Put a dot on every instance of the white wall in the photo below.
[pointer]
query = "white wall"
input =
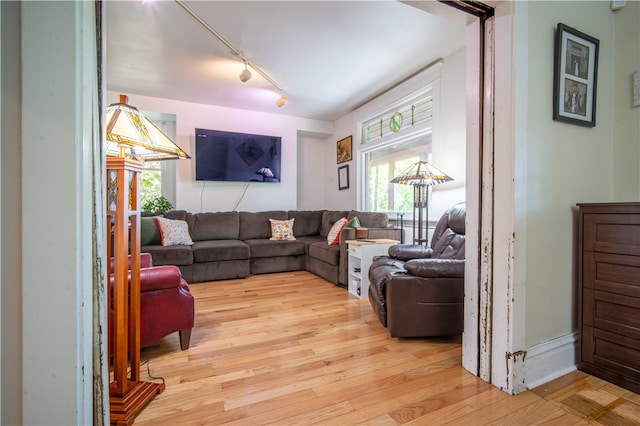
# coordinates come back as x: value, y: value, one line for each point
x: 626, y: 128
x: 558, y: 165
x: 200, y: 196
x: 311, y: 174
x: 565, y: 164
x: 449, y: 145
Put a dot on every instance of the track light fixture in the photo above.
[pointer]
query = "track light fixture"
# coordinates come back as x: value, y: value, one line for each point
x: 281, y: 101
x: 245, y: 75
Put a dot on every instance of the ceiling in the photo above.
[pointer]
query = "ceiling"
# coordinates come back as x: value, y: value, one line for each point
x: 330, y: 57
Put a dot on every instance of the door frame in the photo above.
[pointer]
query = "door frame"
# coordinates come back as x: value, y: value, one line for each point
x: 493, y: 338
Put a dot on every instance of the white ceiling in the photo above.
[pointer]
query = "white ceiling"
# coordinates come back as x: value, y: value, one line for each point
x: 329, y: 56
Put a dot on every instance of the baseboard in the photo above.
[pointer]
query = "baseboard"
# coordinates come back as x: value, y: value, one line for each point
x: 550, y: 360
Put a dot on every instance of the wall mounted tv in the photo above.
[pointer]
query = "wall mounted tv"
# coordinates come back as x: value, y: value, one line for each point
x: 237, y: 157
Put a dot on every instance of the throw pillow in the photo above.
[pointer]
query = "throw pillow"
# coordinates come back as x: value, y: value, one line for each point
x: 174, y: 232
x: 282, y: 229
x: 149, y: 232
x: 354, y: 222
x: 334, y: 234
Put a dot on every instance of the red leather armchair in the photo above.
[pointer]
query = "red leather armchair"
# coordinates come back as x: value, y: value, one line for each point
x: 166, y: 304
x: 418, y: 291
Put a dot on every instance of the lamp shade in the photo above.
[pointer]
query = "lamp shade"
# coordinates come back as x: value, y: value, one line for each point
x: 421, y: 174
x: 266, y: 172
x: 131, y: 134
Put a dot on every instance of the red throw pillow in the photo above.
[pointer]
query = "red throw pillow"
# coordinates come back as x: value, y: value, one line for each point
x: 333, y: 237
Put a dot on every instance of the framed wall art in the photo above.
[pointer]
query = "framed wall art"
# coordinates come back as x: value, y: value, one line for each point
x: 575, y: 77
x: 343, y: 177
x: 344, y: 150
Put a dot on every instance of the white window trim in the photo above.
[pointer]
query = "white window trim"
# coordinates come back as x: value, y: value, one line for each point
x: 168, y: 168
x: 432, y: 84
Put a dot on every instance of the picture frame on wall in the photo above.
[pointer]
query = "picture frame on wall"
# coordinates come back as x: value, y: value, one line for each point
x: 575, y: 76
x: 343, y: 177
x: 344, y: 150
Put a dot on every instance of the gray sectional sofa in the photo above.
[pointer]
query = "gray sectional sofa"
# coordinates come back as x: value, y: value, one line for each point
x: 235, y: 244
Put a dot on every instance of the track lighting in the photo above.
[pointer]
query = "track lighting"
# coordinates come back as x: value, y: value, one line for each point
x: 245, y: 75
x: 282, y: 100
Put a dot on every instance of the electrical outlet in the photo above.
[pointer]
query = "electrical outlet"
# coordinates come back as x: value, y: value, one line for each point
x: 636, y: 88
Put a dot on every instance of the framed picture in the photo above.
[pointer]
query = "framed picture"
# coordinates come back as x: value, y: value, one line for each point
x: 343, y: 177
x: 344, y: 150
x: 575, y: 77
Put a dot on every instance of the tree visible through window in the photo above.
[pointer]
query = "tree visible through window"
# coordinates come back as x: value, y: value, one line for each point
x: 158, y: 177
x: 383, y: 163
x: 151, y: 181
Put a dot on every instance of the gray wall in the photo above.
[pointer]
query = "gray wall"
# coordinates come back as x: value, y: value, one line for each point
x: 558, y: 165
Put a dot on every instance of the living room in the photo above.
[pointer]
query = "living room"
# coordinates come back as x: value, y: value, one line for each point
x: 544, y: 169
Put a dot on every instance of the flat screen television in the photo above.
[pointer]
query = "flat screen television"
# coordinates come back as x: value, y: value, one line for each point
x: 237, y: 157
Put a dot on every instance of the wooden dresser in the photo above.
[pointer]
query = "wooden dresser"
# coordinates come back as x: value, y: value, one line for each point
x: 609, y: 292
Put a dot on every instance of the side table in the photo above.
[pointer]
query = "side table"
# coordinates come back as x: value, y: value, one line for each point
x: 361, y: 254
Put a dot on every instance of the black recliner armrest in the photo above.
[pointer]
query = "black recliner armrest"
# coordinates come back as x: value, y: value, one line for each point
x: 435, y: 268
x: 409, y: 251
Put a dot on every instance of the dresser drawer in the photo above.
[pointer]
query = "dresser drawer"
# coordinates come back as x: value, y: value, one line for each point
x: 612, y: 233
x: 612, y: 312
x: 612, y: 352
x: 614, y: 273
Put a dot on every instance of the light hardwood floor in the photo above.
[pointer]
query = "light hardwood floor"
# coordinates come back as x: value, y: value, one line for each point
x: 292, y: 348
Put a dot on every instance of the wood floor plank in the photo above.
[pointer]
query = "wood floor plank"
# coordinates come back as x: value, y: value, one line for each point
x: 460, y: 408
x: 292, y: 348
x: 497, y: 410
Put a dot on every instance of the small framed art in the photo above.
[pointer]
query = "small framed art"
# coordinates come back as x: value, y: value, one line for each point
x: 344, y: 150
x: 575, y: 77
x: 343, y: 177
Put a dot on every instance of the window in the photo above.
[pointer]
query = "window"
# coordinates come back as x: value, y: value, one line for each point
x: 385, y: 162
x: 151, y: 181
x: 159, y: 177
x: 398, y: 120
x: 393, y: 141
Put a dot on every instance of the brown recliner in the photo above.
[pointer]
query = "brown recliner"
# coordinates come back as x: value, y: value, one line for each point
x: 418, y: 291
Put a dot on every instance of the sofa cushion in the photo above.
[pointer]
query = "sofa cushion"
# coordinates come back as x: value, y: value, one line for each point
x: 214, y: 226
x: 326, y: 253
x: 149, y: 232
x: 370, y: 219
x: 255, y: 225
x: 455, y: 249
x: 174, y: 232
x: 310, y: 239
x: 450, y: 245
x: 328, y: 219
x: 218, y: 250
x: 170, y: 255
x: 307, y: 222
x: 282, y: 229
x: 273, y: 248
x: 176, y: 214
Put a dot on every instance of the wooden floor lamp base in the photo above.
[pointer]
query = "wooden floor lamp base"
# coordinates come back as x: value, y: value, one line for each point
x: 125, y: 408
